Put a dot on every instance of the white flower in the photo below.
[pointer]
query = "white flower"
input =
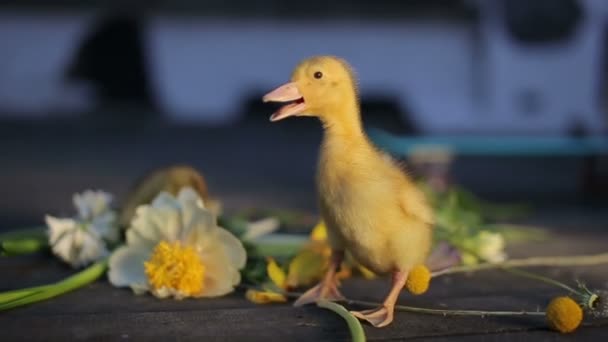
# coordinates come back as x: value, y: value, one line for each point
x: 90, y: 204
x: 485, y: 246
x: 82, y: 240
x: 175, y: 248
x: 491, y: 247
x: 94, y: 207
x: 74, y: 241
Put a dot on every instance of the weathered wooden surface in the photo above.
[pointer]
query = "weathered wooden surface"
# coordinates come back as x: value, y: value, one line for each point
x: 100, y: 312
x: 273, y: 167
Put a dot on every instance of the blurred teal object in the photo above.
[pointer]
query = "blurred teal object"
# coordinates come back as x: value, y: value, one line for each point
x: 492, y: 146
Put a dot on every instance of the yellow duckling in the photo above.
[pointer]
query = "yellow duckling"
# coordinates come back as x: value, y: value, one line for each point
x: 371, y: 208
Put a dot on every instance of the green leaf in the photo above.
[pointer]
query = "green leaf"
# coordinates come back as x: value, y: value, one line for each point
x: 491, y: 211
x: 16, y: 298
x: 279, y: 245
x: 254, y: 271
x: 235, y: 225
x: 356, y: 330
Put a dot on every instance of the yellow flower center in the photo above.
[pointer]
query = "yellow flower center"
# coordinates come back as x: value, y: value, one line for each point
x: 564, y: 314
x: 174, y: 269
x: 418, y: 280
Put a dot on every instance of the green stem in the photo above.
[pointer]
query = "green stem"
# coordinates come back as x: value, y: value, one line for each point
x: 16, y: 298
x: 16, y: 294
x: 555, y: 261
x: 540, y: 278
x: 356, y: 330
x: 23, y: 241
x: 21, y: 246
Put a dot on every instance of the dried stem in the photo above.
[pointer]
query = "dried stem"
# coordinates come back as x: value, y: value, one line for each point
x: 441, y: 312
x: 540, y: 278
x: 579, y: 260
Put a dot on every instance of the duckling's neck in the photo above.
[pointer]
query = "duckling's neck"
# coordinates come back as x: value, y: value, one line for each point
x: 343, y: 122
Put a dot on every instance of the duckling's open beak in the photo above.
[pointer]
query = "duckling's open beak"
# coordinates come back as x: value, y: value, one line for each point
x: 286, y: 93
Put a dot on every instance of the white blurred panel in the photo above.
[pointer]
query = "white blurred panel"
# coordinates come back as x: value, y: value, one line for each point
x: 35, y: 50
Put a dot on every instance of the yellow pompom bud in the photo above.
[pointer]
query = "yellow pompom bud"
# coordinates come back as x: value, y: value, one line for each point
x: 418, y: 280
x: 564, y: 314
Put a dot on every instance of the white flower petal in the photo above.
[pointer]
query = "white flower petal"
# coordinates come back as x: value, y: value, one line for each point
x: 64, y: 247
x: 58, y: 227
x: 169, y: 224
x: 165, y: 200
x: 187, y: 196
x: 105, y: 226
x: 261, y: 227
x: 92, y: 248
x: 198, y: 224
x: 151, y: 225
x: 220, y: 277
x: 233, y: 248
x: 126, y: 267
x: 92, y: 203
x: 134, y: 238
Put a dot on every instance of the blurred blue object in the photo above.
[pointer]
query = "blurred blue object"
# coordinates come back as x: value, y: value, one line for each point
x: 492, y: 145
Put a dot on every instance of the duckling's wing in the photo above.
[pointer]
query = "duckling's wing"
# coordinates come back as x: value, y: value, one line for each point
x: 414, y: 203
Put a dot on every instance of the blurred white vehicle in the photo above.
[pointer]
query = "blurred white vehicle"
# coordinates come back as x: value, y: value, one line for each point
x: 447, y: 75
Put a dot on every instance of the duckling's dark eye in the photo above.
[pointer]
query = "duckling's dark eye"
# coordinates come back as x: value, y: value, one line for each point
x: 318, y: 75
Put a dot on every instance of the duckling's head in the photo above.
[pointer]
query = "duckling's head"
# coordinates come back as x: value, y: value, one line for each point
x: 321, y: 86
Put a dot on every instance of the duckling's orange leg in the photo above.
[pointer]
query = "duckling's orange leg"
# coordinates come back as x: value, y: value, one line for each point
x: 327, y: 289
x: 383, y: 315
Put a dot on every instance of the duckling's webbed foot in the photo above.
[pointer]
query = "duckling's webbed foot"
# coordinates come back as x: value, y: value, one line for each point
x: 383, y: 315
x: 327, y: 289
x: 379, y: 317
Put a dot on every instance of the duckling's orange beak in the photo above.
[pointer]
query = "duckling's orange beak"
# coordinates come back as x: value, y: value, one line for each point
x: 286, y: 93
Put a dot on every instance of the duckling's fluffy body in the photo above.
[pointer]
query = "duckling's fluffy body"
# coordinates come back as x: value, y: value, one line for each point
x: 370, y: 207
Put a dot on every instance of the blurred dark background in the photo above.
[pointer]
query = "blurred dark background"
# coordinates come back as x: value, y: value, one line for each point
x: 93, y: 94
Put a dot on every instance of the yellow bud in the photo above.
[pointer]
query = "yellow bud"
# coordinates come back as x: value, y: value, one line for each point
x: 418, y: 280
x: 564, y: 314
